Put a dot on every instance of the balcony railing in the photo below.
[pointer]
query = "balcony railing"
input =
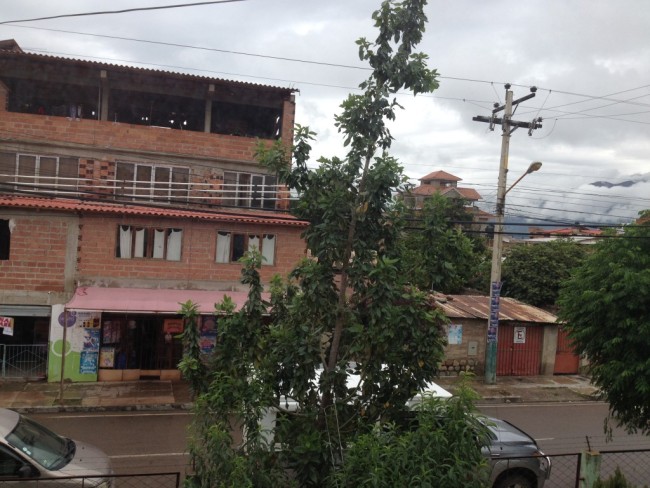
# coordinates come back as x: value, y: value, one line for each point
x: 269, y: 197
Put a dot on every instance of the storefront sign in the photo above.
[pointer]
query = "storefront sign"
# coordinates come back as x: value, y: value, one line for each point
x: 173, y: 326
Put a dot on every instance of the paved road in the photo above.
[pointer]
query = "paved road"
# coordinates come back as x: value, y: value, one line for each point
x: 136, y: 442
x: 145, y: 442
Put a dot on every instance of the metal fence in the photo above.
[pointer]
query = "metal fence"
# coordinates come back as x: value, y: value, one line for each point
x: 150, y: 480
x: 23, y: 360
x: 633, y: 464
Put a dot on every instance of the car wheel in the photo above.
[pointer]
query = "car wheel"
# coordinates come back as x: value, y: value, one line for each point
x: 514, y: 480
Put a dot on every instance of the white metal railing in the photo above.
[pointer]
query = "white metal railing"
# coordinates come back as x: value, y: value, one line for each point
x: 155, y: 191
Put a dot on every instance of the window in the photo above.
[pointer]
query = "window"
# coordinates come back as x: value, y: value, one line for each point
x: 249, y: 190
x: 150, y: 243
x: 152, y: 182
x: 232, y: 246
x: 5, y: 239
x: 43, y: 174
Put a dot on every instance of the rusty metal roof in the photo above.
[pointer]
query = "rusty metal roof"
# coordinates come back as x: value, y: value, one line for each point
x: 80, y: 206
x: 478, y: 307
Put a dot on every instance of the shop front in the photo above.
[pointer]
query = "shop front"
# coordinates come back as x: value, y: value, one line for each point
x: 23, y: 340
x: 125, y: 334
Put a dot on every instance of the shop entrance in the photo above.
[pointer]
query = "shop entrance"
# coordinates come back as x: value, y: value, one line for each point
x: 139, y: 347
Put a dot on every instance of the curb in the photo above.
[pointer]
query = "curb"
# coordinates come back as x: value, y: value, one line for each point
x: 108, y: 408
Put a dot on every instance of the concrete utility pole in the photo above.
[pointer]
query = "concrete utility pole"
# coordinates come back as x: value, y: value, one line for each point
x: 508, y: 126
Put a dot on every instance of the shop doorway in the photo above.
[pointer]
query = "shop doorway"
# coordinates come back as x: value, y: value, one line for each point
x: 138, y: 347
x: 23, y: 351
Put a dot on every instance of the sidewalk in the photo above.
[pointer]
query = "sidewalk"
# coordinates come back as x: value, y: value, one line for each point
x: 41, y: 396
x: 525, y: 389
x: 166, y: 395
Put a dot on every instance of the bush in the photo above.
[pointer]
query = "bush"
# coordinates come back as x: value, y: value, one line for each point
x: 617, y: 480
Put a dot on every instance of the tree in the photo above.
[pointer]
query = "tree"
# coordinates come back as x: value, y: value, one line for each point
x: 534, y: 274
x: 440, y: 256
x: 606, y: 307
x: 346, y: 310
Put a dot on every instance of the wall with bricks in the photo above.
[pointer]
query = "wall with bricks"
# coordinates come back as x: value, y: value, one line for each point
x: 99, y: 266
x: 128, y: 137
x: 459, y: 357
x: 37, y: 257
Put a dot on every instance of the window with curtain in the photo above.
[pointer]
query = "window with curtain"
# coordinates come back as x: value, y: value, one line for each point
x: 149, y: 243
x: 231, y: 246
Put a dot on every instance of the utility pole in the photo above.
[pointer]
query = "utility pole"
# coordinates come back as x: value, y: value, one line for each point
x: 508, y: 126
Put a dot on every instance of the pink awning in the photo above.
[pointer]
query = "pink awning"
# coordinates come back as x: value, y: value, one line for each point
x: 145, y: 300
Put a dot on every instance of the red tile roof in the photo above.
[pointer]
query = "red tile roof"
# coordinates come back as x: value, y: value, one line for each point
x: 440, y: 175
x: 567, y: 231
x: 80, y: 206
x: 428, y: 190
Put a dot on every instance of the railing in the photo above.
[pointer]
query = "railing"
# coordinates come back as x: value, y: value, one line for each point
x: 23, y: 360
x: 149, y: 480
x: 192, y: 193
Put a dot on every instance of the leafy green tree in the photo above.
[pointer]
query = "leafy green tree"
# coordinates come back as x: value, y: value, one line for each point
x: 534, y: 274
x: 440, y: 256
x: 606, y: 307
x: 346, y: 310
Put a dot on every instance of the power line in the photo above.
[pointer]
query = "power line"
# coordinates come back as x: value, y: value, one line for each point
x: 123, y: 11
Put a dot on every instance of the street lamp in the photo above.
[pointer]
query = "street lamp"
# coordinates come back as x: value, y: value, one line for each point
x: 495, y: 275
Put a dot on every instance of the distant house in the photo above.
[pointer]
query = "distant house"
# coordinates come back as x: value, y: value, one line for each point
x: 530, y: 341
x: 578, y: 234
x: 446, y: 184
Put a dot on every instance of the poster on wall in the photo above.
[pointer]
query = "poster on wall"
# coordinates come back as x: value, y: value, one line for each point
x: 107, y: 357
x: 520, y: 335
x: 81, y: 331
x: 7, y: 324
x: 88, y: 362
x: 455, y: 334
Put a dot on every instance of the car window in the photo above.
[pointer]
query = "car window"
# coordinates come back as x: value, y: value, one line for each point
x: 9, y: 464
x: 48, y: 449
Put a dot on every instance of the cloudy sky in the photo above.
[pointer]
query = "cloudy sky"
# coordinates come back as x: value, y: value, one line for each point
x: 590, y: 60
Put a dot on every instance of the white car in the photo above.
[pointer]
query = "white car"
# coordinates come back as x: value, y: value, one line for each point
x: 28, y: 450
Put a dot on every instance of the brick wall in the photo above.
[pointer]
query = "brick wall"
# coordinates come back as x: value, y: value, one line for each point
x: 120, y: 136
x: 38, y: 252
x: 457, y: 356
x: 98, y: 238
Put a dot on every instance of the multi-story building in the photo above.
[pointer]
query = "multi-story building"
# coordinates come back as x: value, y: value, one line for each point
x: 124, y: 192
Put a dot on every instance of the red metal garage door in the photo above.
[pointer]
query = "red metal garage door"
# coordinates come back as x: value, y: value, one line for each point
x: 566, y: 360
x: 519, y: 350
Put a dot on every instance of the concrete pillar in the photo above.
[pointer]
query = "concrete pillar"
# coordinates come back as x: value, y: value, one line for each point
x: 589, y: 468
x: 549, y: 348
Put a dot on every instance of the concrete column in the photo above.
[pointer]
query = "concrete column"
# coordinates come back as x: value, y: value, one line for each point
x: 549, y: 349
x: 589, y: 468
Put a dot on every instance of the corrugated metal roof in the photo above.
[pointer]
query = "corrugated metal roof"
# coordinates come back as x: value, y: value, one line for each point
x: 10, y: 52
x: 71, y: 205
x: 478, y: 307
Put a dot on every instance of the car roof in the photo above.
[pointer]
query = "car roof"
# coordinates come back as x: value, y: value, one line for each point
x: 8, y: 421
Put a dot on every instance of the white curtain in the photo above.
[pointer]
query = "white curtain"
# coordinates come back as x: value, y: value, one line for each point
x: 223, y: 247
x: 159, y: 243
x: 253, y: 243
x: 138, y: 252
x: 125, y: 241
x: 174, y: 241
x: 268, y: 249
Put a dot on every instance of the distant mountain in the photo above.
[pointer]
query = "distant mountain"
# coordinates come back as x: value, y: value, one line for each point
x: 634, y: 179
x: 607, y: 184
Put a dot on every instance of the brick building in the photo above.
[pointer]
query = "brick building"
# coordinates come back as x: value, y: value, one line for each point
x: 123, y: 192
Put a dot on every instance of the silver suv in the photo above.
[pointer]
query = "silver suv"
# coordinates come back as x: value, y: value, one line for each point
x: 515, y: 457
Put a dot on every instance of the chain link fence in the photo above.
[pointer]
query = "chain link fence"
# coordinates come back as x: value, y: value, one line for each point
x: 633, y: 464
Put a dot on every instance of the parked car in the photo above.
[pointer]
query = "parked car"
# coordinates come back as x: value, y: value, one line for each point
x: 29, y: 450
x: 515, y: 457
